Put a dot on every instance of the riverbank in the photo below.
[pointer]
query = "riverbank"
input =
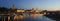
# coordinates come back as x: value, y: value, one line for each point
x: 55, y: 16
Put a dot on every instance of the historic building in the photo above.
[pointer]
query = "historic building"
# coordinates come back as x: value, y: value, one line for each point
x: 20, y: 11
x: 12, y: 9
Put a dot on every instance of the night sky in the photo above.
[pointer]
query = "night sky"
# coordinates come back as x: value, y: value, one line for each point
x: 28, y: 4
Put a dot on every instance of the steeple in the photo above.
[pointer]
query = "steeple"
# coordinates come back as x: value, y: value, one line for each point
x: 13, y: 7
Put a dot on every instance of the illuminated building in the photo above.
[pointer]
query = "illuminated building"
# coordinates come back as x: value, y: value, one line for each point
x: 20, y: 10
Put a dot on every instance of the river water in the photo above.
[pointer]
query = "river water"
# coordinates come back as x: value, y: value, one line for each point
x: 33, y: 17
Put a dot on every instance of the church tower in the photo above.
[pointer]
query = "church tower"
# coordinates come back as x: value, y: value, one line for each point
x: 13, y: 7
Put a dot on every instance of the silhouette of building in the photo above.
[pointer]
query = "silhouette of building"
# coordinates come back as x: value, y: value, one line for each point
x: 12, y: 9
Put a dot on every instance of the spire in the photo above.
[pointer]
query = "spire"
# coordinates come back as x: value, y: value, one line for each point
x: 13, y: 7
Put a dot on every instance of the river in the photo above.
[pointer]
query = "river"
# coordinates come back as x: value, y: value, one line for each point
x: 32, y: 17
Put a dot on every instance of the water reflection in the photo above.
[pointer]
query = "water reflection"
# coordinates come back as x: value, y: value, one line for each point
x: 32, y: 17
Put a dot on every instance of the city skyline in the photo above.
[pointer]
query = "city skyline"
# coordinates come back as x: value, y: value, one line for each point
x: 29, y: 4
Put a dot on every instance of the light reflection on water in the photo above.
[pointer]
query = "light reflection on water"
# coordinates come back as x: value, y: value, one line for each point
x: 33, y: 17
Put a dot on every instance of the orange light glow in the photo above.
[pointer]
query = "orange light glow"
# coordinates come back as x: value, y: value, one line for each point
x: 36, y: 14
x: 21, y: 17
x: 20, y: 10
